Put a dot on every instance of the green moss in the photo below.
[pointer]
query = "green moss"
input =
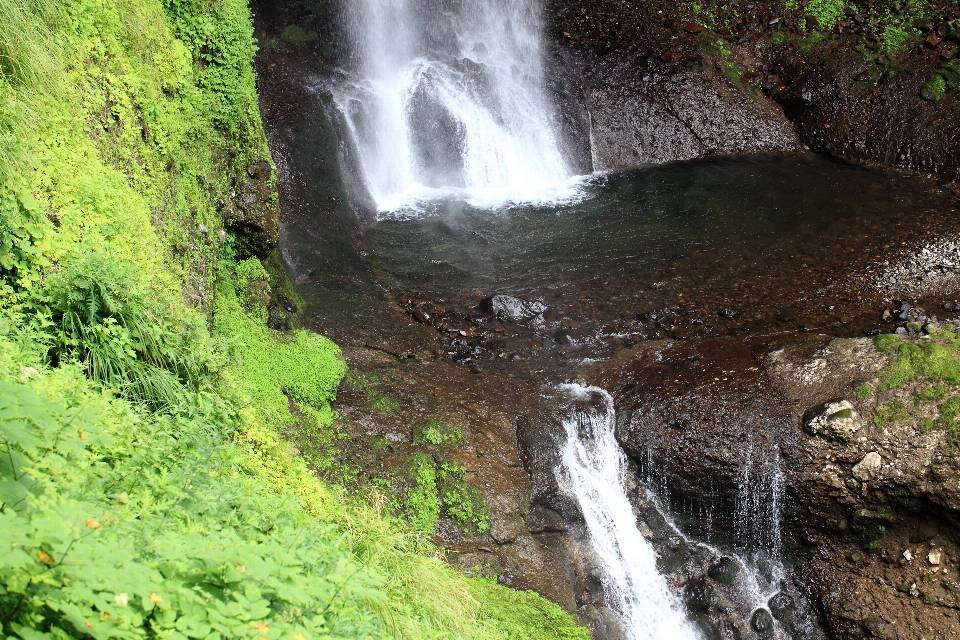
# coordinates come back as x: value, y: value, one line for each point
x: 864, y: 391
x: 942, y: 82
x: 435, y: 433
x: 730, y: 68
x: 949, y: 420
x: 383, y: 404
x: 461, y: 500
x: 935, y: 393
x: 827, y: 13
x: 885, y: 414
x: 932, y: 360
x: 298, y: 36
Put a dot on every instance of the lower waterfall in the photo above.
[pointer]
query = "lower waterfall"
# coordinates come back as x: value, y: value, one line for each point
x: 592, y: 471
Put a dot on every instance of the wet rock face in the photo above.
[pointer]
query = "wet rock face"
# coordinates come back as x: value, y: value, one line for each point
x: 642, y: 111
x: 254, y: 212
x: 699, y: 418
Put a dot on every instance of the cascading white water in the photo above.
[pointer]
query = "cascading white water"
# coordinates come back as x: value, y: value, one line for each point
x: 592, y: 470
x: 447, y: 95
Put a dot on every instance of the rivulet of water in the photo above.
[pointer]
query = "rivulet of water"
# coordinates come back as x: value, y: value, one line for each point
x: 446, y: 97
x: 592, y: 470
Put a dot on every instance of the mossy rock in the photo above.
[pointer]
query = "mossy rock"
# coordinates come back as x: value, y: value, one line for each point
x: 943, y: 82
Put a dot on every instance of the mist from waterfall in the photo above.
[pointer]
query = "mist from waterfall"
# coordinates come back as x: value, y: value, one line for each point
x: 447, y: 97
x: 592, y: 470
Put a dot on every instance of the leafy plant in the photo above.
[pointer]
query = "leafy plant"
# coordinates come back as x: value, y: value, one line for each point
x: 102, y: 319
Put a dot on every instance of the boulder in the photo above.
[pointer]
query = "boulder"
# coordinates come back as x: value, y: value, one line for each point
x: 834, y: 420
x: 868, y: 468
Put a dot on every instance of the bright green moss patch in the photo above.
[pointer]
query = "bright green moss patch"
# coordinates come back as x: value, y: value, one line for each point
x: 827, y: 13
x: 864, y: 391
x: 938, y: 362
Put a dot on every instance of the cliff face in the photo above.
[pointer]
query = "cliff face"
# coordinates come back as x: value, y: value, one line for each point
x: 676, y: 80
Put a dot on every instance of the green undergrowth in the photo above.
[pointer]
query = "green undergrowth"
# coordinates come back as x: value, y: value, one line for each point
x: 148, y: 485
x: 935, y: 367
x: 439, y: 487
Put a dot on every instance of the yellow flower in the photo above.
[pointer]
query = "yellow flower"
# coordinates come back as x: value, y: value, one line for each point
x: 155, y: 598
x: 93, y: 524
x: 45, y: 558
x: 261, y: 627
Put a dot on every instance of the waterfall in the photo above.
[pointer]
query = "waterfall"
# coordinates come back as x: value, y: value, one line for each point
x: 447, y: 96
x: 592, y: 470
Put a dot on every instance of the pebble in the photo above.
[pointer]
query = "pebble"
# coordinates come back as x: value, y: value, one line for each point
x: 730, y: 313
x: 934, y: 557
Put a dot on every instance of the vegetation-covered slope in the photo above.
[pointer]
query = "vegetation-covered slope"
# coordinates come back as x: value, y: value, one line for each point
x: 144, y: 489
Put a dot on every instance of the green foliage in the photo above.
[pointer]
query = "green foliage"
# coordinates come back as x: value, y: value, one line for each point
x: 435, y: 433
x: 461, y: 500
x: 275, y: 368
x: 942, y: 82
x: 106, y: 538
x: 949, y: 420
x: 145, y: 490
x: 938, y: 362
x: 298, y: 36
x: 423, y: 507
x: 827, y: 13
x: 885, y: 414
x: 864, y: 391
x: 437, y: 485
x: 523, y: 614
x: 382, y: 403
x: 121, y: 336
x: 935, y: 393
x: 730, y: 68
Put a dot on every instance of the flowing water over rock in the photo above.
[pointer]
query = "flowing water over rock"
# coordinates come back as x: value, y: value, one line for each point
x: 593, y: 469
x: 448, y: 98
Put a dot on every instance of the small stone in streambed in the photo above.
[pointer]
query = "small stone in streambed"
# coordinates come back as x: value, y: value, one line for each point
x: 762, y: 622
x: 947, y: 306
x: 874, y: 627
x: 783, y: 316
x: 902, y: 331
x: 730, y: 313
x: 782, y: 606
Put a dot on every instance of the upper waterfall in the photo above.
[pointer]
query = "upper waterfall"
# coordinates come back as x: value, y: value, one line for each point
x: 449, y: 95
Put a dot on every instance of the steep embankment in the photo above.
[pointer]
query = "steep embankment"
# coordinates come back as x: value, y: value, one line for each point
x: 145, y: 489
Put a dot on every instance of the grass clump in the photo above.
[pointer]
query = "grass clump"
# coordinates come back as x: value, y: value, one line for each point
x: 863, y: 391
